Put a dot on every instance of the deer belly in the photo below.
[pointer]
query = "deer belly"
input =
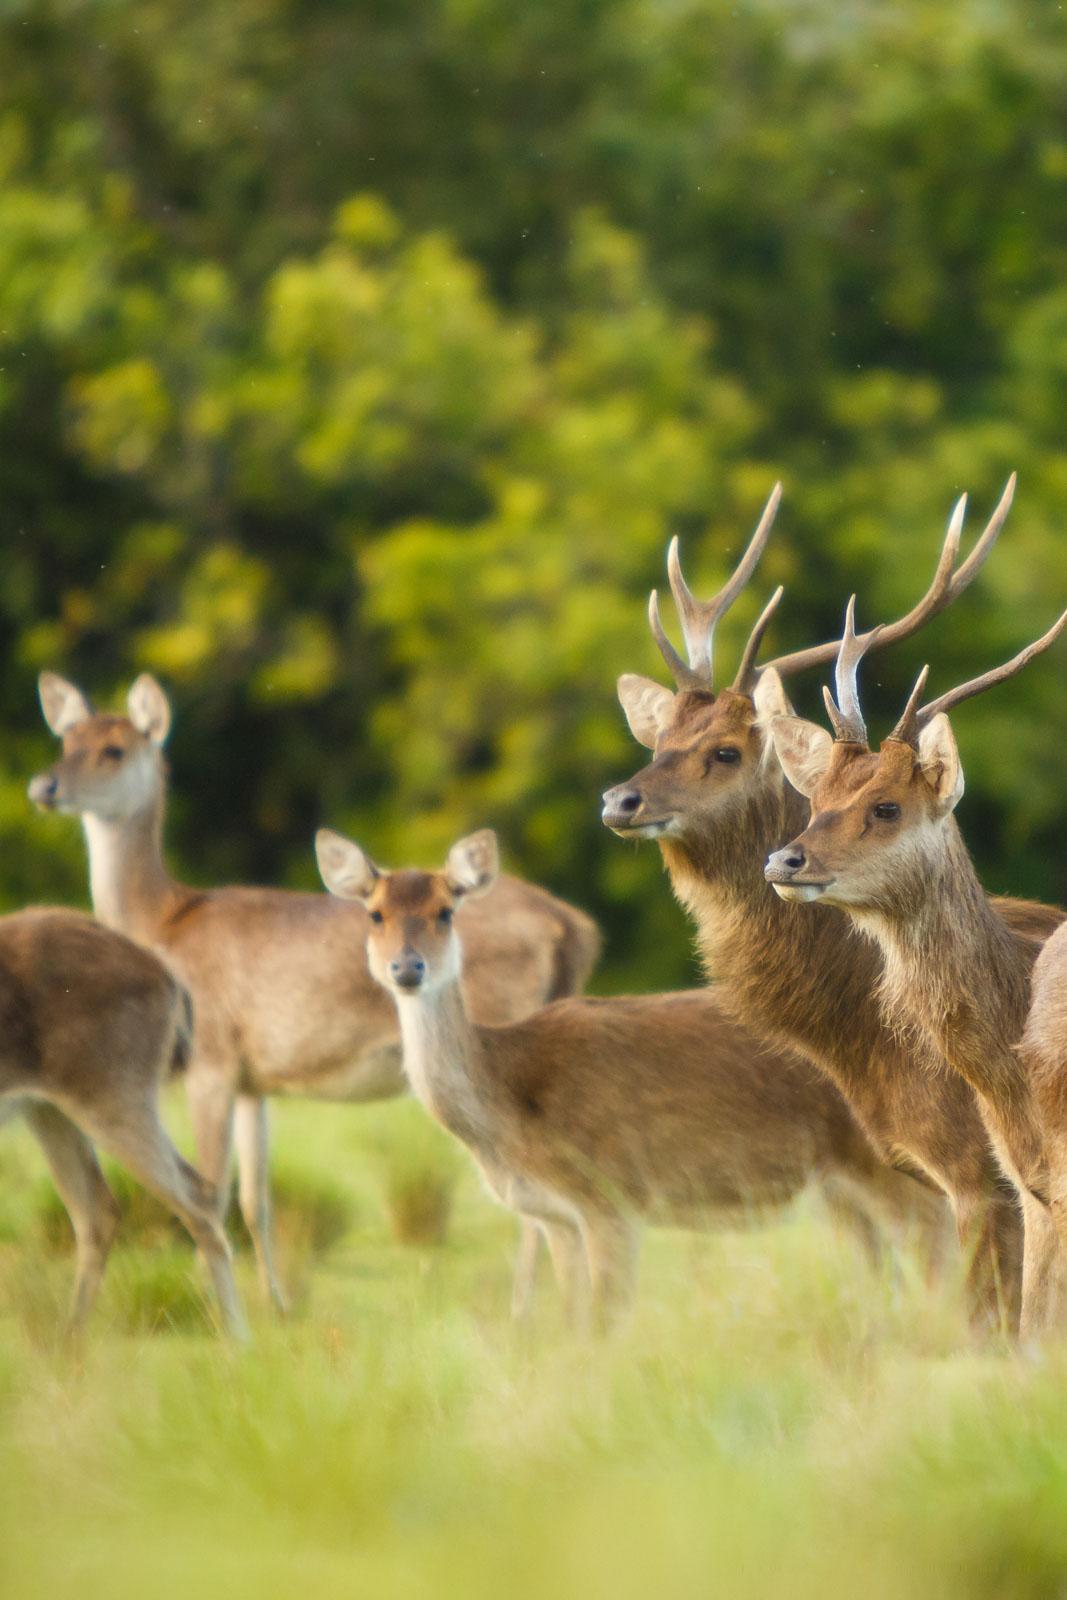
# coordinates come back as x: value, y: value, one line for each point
x: 375, y: 1073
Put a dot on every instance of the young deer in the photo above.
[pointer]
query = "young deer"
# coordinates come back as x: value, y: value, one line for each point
x: 593, y: 1115
x: 91, y: 1026
x: 882, y: 844
x: 716, y: 801
x: 281, y: 1007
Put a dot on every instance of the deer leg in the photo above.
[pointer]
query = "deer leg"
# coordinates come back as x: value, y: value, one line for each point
x: 525, y: 1279
x: 565, y: 1249
x: 92, y: 1208
x: 212, y: 1094
x: 611, y: 1245
x: 991, y: 1237
x: 137, y: 1138
x: 251, y: 1136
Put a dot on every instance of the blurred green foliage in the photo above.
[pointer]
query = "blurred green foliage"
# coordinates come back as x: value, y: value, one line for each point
x: 358, y: 361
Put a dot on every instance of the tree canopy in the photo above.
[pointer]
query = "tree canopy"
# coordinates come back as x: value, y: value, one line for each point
x: 358, y: 361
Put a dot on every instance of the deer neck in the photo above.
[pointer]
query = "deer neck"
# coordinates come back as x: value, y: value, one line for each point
x: 718, y: 877
x: 443, y: 1061
x: 952, y: 966
x: 129, y: 884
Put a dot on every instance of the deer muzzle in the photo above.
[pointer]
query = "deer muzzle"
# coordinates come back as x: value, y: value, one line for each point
x: 793, y: 875
x: 44, y: 790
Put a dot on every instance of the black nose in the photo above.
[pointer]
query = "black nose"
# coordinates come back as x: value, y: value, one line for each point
x: 621, y: 802
x: 782, y: 864
x: 44, y: 789
x: 407, y: 971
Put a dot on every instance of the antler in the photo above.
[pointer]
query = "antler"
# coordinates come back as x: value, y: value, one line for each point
x: 915, y: 719
x: 945, y: 586
x: 700, y: 617
x: 846, y: 715
x: 746, y: 673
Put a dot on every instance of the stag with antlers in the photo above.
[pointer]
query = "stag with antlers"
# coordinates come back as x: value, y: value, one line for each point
x: 883, y: 845
x: 716, y: 800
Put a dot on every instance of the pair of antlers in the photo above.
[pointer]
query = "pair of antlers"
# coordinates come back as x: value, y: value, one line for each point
x: 700, y: 617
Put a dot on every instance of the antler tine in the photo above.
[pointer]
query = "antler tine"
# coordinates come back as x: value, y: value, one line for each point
x: 965, y: 691
x: 682, y: 675
x: 944, y: 587
x: 699, y: 617
x: 977, y: 558
x: 746, y: 672
x: 846, y: 715
x: 905, y: 729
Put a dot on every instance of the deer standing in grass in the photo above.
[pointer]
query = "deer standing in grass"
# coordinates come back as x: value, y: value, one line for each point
x: 882, y: 845
x: 90, y: 1027
x: 593, y: 1115
x: 281, y: 1006
x: 717, y: 802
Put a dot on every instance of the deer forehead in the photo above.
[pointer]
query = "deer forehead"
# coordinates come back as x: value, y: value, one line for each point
x: 411, y: 894
x: 84, y: 738
x: 855, y: 773
x: 699, y: 716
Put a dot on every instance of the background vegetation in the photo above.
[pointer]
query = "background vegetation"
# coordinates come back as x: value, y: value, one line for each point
x: 357, y: 361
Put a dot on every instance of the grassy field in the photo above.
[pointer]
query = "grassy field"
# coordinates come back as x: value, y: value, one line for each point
x: 778, y: 1419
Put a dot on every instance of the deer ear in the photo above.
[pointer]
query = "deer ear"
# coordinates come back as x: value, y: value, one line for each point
x: 647, y: 706
x: 770, y: 696
x: 346, y: 871
x: 149, y: 708
x: 803, y: 748
x: 63, y: 705
x: 939, y: 759
x: 473, y: 863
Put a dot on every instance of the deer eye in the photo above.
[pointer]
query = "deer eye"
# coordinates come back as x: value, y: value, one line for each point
x: 887, y: 811
x: 727, y: 754
x: 112, y: 752
x: 376, y: 916
x: 445, y: 915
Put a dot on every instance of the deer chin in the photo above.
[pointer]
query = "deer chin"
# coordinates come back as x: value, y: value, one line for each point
x: 657, y: 829
x: 799, y: 893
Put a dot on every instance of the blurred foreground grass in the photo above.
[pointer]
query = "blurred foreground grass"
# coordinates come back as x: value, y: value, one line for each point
x: 777, y: 1420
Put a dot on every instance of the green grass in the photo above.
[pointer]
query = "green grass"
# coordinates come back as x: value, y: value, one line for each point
x: 776, y: 1420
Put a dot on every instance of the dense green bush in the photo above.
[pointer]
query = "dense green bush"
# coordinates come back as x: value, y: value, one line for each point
x: 357, y: 363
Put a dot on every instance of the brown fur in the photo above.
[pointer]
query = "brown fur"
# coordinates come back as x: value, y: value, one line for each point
x: 593, y: 1114
x: 283, y: 1000
x: 90, y: 1025
x: 799, y: 975
x: 883, y: 845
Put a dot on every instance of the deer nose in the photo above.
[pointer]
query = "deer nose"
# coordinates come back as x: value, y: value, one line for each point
x: 44, y: 789
x: 621, y: 804
x: 782, y: 864
x: 407, y: 970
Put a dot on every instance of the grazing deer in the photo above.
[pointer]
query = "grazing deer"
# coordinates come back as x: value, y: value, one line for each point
x: 716, y: 801
x: 91, y: 1025
x: 593, y: 1115
x: 883, y: 845
x: 281, y: 1007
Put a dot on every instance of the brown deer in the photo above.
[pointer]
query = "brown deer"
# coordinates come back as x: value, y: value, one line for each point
x: 716, y: 800
x: 281, y: 1007
x: 883, y: 845
x: 91, y: 1026
x: 1044, y: 1053
x: 594, y: 1115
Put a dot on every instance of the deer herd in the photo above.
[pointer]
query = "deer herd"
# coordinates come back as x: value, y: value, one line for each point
x: 874, y: 1025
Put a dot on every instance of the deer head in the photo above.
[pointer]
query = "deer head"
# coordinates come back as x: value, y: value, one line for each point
x: 710, y: 747
x: 873, y: 814
x: 111, y: 766
x: 412, y: 944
